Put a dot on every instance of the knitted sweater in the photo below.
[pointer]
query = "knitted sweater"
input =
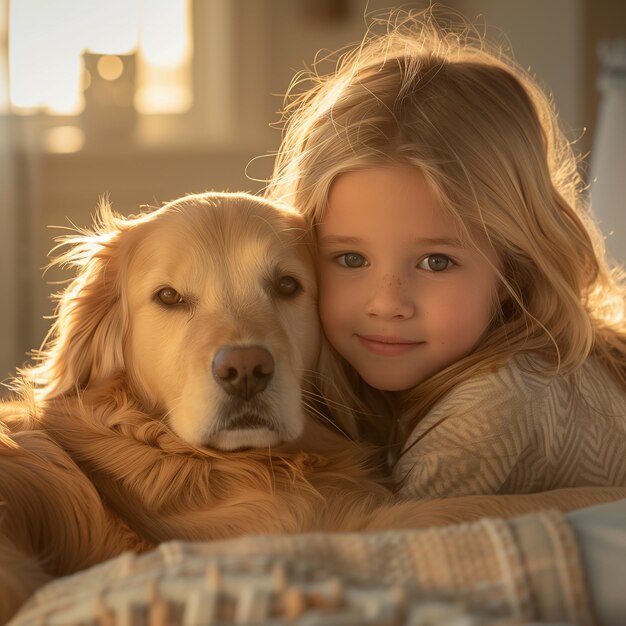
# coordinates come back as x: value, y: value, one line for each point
x: 493, y: 572
x: 517, y: 431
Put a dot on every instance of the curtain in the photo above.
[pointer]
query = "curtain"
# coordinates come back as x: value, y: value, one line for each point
x: 9, y: 270
x: 10, y: 344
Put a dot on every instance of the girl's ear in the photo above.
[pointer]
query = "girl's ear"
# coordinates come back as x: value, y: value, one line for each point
x: 85, y: 344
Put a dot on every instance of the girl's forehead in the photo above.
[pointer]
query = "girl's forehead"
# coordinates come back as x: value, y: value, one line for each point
x: 393, y: 193
x: 395, y: 204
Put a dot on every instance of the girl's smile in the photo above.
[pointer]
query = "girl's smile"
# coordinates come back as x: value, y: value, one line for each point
x: 388, y: 346
x: 401, y: 296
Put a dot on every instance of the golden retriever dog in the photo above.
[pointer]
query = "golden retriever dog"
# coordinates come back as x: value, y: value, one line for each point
x: 174, y: 399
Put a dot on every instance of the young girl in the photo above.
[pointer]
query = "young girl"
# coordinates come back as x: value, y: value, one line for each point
x: 474, y: 323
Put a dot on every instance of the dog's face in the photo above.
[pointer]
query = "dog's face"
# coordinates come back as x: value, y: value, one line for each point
x: 222, y: 319
x: 207, y: 306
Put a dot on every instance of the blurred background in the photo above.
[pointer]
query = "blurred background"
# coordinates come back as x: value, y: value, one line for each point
x: 146, y: 100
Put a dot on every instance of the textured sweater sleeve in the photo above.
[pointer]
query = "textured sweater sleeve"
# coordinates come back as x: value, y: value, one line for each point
x: 519, y: 430
x: 474, y: 440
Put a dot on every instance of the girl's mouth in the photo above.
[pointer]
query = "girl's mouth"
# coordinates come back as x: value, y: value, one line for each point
x: 388, y: 346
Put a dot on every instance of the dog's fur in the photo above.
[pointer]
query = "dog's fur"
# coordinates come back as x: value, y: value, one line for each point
x: 128, y: 433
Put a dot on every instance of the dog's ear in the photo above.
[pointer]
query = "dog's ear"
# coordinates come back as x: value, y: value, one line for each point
x: 85, y: 343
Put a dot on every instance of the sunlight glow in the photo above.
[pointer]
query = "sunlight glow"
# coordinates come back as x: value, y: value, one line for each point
x: 164, y: 81
x: 110, y: 67
x: 44, y: 66
x: 48, y: 38
x: 112, y: 27
x: 64, y: 139
x: 173, y: 18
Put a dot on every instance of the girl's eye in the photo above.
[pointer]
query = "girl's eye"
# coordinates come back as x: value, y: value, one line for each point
x: 287, y: 286
x: 435, y: 263
x: 169, y: 296
x: 351, y: 259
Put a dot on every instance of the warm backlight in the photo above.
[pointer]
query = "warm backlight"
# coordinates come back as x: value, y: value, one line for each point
x: 46, y: 41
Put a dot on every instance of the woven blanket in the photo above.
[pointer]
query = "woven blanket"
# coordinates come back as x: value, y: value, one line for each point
x: 491, y: 572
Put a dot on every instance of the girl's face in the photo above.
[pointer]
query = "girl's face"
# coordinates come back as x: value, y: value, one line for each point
x: 401, y: 297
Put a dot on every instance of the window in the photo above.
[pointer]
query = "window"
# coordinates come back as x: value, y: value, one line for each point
x: 118, y: 74
x: 45, y: 46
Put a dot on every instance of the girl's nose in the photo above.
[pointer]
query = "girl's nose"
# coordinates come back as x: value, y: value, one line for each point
x: 390, y: 300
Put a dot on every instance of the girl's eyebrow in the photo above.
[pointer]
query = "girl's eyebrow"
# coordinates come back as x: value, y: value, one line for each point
x: 344, y: 239
x: 449, y: 242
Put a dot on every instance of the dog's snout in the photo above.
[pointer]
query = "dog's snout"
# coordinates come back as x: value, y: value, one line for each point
x: 243, y: 371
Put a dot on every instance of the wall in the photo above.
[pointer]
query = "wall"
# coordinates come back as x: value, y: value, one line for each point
x: 546, y: 38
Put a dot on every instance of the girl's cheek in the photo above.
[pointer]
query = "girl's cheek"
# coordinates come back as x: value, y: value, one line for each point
x: 327, y: 299
x: 330, y: 285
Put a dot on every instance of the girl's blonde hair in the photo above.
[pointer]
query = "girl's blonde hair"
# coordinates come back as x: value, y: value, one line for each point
x: 487, y: 139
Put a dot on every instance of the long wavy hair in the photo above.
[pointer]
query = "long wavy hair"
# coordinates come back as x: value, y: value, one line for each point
x: 487, y: 139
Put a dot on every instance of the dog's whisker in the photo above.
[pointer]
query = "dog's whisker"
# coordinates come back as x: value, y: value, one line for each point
x: 316, y: 375
x: 324, y: 400
x: 324, y: 418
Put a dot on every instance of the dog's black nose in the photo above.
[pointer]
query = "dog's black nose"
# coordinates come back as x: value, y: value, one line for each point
x: 243, y: 371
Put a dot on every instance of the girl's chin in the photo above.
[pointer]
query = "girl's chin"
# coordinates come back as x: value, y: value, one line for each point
x: 389, y: 382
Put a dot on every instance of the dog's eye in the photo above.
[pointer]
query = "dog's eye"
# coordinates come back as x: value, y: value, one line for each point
x: 169, y: 296
x: 287, y: 286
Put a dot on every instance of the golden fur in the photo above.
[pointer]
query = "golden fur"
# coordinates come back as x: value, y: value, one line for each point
x: 124, y: 437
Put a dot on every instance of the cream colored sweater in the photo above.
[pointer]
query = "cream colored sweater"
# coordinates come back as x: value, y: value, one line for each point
x: 514, y: 431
